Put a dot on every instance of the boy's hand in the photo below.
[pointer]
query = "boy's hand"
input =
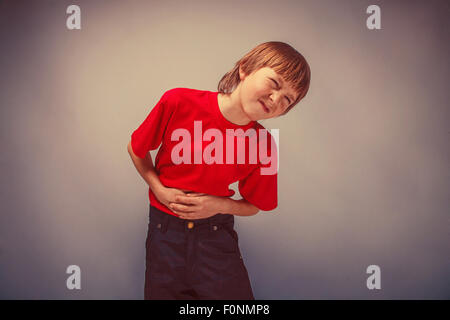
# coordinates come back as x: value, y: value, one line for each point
x: 166, y: 195
x: 197, y: 205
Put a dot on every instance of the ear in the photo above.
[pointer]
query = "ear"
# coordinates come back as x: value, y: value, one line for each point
x: 242, y: 74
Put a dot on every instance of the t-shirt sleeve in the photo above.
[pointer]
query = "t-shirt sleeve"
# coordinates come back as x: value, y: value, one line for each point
x: 260, y: 187
x: 148, y: 136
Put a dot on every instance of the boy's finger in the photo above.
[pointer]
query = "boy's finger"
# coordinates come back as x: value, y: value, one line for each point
x: 185, y: 200
x: 183, y: 215
x: 180, y: 207
x: 195, y: 194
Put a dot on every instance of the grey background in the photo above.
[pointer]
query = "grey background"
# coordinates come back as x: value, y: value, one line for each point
x: 364, y: 158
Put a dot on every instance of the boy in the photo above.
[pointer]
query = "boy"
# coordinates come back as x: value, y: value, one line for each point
x: 192, y: 249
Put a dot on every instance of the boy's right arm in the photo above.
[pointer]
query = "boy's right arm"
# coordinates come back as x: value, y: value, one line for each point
x: 146, y: 170
x: 145, y: 167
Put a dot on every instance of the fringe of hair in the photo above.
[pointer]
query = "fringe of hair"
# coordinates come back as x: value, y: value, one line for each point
x: 283, y: 58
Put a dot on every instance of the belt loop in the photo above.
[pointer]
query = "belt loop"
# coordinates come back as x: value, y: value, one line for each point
x: 149, y: 213
x: 210, y: 222
x: 165, y: 223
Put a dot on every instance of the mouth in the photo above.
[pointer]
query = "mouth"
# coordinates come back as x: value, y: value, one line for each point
x: 267, y: 110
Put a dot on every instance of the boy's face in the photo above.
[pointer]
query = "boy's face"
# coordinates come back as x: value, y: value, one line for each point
x: 264, y: 94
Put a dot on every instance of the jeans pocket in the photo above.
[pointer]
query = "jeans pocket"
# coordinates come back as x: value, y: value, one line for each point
x: 229, y: 229
x: 233, y: 237
x: 233, y: 234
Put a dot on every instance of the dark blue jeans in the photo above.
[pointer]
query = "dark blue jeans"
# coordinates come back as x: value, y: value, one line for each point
x: 194, y: 259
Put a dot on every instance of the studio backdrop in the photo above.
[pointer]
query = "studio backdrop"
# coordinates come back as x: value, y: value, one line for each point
x: 363, y: 181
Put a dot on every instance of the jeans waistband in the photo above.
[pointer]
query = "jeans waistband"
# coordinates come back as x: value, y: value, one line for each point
x: 163, y: 221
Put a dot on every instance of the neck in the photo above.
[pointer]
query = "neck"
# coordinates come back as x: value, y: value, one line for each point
x: 231, y: 108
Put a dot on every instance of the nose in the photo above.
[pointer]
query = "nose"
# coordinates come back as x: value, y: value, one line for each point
x: 277, y: 99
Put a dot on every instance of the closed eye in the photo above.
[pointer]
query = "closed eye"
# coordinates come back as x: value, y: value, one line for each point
x: 289, y: 100
x: 276, y: 83
x: 278, y: 86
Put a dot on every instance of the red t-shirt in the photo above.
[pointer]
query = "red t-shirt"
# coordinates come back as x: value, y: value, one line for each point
x: 178, y: 108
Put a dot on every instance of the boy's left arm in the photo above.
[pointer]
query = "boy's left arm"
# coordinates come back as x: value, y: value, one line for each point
x: 239, y: 207
x: 201, y: 205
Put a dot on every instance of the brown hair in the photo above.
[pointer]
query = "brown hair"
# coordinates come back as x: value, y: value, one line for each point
x: 281, y: 57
